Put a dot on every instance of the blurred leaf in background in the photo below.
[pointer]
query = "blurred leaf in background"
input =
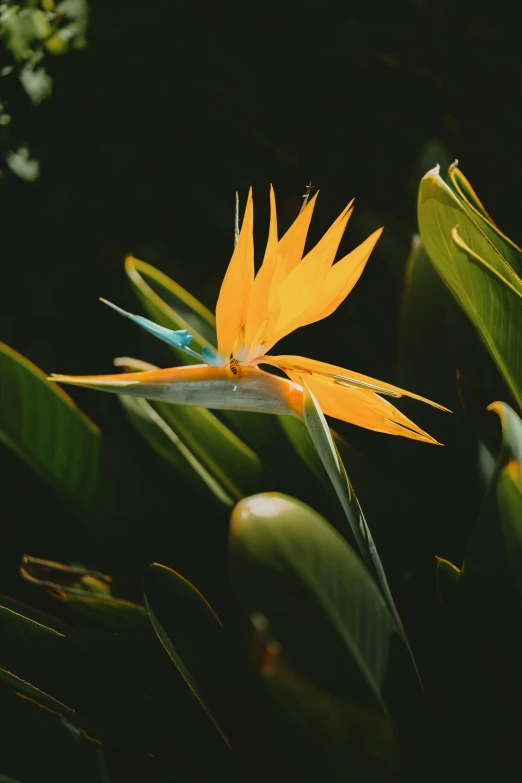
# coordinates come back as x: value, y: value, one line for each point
x: 28, y: 31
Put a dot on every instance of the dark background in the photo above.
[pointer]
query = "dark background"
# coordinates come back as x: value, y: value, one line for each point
x: 175, y: 105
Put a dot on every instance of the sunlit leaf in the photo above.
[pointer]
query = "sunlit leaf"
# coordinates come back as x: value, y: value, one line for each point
x: 23, y: 26
x: 23, y: 165
x: 324, y: 607
x: 480, y: 278
x: 463, y: 190
x: 38, y: 85
x: 43, y: 426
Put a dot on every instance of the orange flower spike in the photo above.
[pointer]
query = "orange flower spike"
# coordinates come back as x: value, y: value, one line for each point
x: 236, y: 289
x: 258, y: 310
x: 252, y: 314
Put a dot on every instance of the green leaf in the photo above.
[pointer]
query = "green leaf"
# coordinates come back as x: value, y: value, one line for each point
x: 165, y: 442
x: 326, y: 610
x: 229, y: 460
x: 298, y: 435
x: 56, y: 746
x: 224, y: 454
x: 480, y: 278
x: 106, y: 683
x: 323, y: 734
x: 463, y: 190
x: 22, y: 27
x: 326, y: 449
x: 22, y: 164
x: 448, y: 580
x: 191, y: 632
x: 43, y: 426
x: 501, y: 516
x: 29, y: 647
x: 188, y: 629
x: 491, y: 580
x: 86, y: 594
x: 47, y: 573
x: 37, y: 83
x: 23, y: 686
x: 42, y: 618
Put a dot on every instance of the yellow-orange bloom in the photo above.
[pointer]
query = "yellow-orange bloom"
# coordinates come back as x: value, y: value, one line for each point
x: 253, y: 313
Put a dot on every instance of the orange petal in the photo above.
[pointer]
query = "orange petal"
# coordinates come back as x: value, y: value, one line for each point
x: 236, y: 289
x: 341, y: 278
x: 340, y: 376
x: 118, y: 381
x: 300, y: 291
x: 361, y: 407
x: 291, y: 245
x: 258, y: 308
x: 216, y: 388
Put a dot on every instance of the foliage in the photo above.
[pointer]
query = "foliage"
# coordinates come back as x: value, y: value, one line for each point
x: 218, y: 627
x: 29, y: 31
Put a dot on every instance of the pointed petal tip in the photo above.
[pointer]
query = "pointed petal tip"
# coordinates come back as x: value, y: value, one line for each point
x: 114, y: 307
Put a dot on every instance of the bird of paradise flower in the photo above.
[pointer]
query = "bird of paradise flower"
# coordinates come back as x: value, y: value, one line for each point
x: 254, y: 312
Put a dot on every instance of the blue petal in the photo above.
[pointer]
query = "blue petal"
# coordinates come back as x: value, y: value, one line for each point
x: 208, y: 354
x: 178, y: 338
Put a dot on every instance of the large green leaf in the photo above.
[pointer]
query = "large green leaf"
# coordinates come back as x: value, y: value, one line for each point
x: 43, y: 426
x: 472, y: 266
x: 463, y: 190
x: 322, y: 603
x: 232, y: 463
x: 322, y: 734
